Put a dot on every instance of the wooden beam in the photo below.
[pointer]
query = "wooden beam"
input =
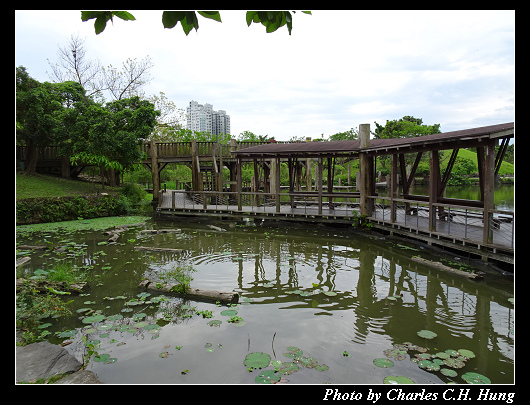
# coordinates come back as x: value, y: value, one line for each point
x: 393, y: 185
x: 239, y: 187
x: 364, y: 168
x: 448, y: 170
x: 277, y: 176
x: 489, y: 179
x: 434, y: 178
x: 410, y: 179
x: 155, y: 173
x: 318, y: 179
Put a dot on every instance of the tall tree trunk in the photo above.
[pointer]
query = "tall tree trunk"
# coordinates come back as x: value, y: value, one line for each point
x: 31, y: 158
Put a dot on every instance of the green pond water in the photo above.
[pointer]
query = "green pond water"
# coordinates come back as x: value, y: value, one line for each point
x: 341, y: 296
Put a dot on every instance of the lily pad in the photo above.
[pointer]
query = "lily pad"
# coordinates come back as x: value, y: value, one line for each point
x: 295, y: 351
x: 321, y: 367
x: 330, y: 293
x: 309, y: 362
x: 454, y: 363
x: 105, y: 358
x: 257, y: 360
x: 288, y: 368
x: 427, y: 334
x: 215, y: 322
x: 92, y: 319
x: 468, y: 354
x: 475, y: 378
x: 442, y: 355
x: 395, y: 353
x: 385, y: 363
x: 448, y: 372
x: 397, y: 379
x: 229, y: 312
x: 67, y: 333
x: 268, y: 377
x: 428, y: 365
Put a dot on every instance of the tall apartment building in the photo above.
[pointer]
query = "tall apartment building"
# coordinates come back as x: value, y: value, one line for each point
x: 203, y: 118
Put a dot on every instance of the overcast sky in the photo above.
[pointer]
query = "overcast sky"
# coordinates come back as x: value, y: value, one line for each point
x: 337, y: 70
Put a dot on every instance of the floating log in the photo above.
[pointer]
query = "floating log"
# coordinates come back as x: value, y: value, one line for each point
x: 443, y: 267
x: 155, y: 231
x: 157, y: 249
x: 216, y: 228
x: 32, y: 247
x: 195, y: 294
x: 44, y: 285
x: 23, y: 260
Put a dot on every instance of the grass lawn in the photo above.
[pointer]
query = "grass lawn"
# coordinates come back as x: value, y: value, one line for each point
x: 38, y: 185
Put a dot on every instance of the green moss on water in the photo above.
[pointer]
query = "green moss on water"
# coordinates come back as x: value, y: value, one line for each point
x: 95, y: 224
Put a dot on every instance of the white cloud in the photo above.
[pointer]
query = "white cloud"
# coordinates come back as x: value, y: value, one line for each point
x: 337, y: 70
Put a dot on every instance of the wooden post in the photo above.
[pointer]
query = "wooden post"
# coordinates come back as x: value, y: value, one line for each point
x: 393, y: 186
x: 239, y: 187
x: 489, y: 179
x: 277, y: 180
x: 195, y: 168
x: 434, y: 178
x: 154, y: 171
x: 308, y: 173
x: 318, y: 183
x: 365, y: 169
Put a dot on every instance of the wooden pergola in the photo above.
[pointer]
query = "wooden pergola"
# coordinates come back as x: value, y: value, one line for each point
x: 485, y: 139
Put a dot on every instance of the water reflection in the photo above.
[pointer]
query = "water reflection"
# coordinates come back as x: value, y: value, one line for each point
x: 320, y: 288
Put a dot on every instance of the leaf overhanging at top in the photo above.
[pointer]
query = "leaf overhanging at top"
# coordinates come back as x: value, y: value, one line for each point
x: 272, y: 20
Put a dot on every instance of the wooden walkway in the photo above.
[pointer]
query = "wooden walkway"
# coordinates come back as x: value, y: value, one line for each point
x: 464, y: 231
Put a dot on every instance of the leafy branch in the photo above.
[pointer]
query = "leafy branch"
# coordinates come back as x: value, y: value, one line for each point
x: 272, y: 20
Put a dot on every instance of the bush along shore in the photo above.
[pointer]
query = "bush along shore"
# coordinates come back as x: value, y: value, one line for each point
x: 43, y: 208
x: 54, y: 209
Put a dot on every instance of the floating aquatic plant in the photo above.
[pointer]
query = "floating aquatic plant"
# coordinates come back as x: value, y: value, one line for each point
x: 92, y: 319
x: 468, y: 354
x: 395, y: 353
x: 105, y: 358
x: 448, y: 372
x: 288, y: 368
x: 475, y: 378
x: 427, y: 334
x: 397, y: 379
x: 215, y: 322
x: 454, y: 362
x: 385, y: 363
x: 257, y: 360
x: 268, y: 377
x: 428, y: 365
x: 229, y: 312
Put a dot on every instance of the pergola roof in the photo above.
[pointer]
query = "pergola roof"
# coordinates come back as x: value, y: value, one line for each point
x: 446, y: 140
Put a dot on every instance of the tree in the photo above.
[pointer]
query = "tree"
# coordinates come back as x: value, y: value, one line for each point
x: 74, y: 65
x: 406, y: 127
x: 272, y: 20
x: 170, y: 119
x: 107, y: 136
x: 247, y: 136
x: 38, y: 109
x: 349, y: 135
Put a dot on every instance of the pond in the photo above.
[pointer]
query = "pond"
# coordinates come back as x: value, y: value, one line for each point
x: 344, y: 298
